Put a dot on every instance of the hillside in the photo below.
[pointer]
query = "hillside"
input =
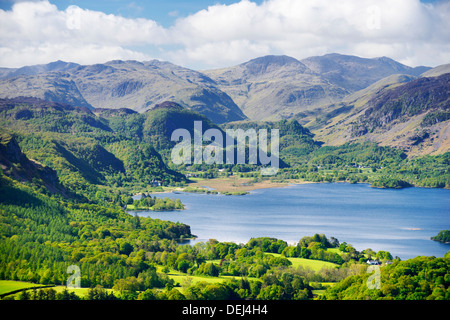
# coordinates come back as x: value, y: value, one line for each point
x: 264, y: 88
x: 118, y: 84
x: 296, y: 142
x: 83, y: 148
x: 332, y: 95
x: 275, y: 87
x: 71, y: 160
x: 16, y: 165
x: 398, y: 111
x: 161, y: 121
x: 54, y: 86
x: 355, y: 73
x: 439, y: 70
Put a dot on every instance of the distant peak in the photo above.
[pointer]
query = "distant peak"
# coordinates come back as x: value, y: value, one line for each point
x: 265, y: 64
x: 59, y: 62
x: 115, y: 62
x: 385, y: 59
x: 333, y: 54
x: 124, y: 62
x: 273, y: 59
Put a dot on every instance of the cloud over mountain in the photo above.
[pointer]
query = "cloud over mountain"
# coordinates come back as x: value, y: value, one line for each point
x: 409, y: 31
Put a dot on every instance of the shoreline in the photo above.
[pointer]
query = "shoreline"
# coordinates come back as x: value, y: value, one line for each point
x: 239, y: 185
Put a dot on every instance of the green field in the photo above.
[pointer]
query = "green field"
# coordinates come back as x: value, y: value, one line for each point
x: 81, y: 292
x: 315, y: 265
x: 180, y: 277
x: 183, y: 278
x: 7, y: 286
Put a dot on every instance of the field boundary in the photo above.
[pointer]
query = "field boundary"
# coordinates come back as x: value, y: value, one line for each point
x: 25, y: 289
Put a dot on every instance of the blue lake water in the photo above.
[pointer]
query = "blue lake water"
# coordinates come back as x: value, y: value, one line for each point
x: 398, y: 221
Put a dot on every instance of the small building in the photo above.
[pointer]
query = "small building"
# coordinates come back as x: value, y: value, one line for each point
x: 156, y: 183
x: 373, y: 262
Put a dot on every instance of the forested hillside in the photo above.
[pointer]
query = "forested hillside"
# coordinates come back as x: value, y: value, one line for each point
x: 86, y: 150
x: 68, y: 173
x: 41, y: 236
x: 421, y: 278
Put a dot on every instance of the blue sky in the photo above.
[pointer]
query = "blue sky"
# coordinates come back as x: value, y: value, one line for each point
x: 164, y: 12
x: 203, y: 34
x: 153, y: 9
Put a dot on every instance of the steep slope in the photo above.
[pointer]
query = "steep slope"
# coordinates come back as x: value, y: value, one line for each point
x: 409, y: 114
x: 393, y: 80
x: 161, y: 121
x: 439, y: 70
x: 274, y: 87
x: 53, y: 86
x: 295, y: 144
x: 121, y: 84
x: 321, y: 116
x: 82, y: 147
x: 15, y: 164
x: 355, y: 73
x: 140, y: 86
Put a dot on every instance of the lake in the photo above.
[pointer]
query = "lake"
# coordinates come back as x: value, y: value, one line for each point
x: 399, y: 221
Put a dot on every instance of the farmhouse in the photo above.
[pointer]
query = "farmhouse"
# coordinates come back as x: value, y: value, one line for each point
x: 373, y: 262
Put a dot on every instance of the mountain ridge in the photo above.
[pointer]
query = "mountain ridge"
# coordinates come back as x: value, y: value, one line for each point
x: 318, y: 91
x: 411, y: 115
x: 264, y: 88
x: 289, y: 86
x: 131, y: 84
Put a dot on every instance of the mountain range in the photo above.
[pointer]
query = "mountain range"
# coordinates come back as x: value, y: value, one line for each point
x: 271, y: 87
x: 338, y: 97
x: 406, y: 112
x: 118, y: 84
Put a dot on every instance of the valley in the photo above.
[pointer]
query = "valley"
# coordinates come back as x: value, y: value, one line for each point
x: 79, y: 142
x: 328, y: 94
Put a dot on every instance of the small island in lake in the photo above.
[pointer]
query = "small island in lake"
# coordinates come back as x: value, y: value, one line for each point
x: 443, y: 236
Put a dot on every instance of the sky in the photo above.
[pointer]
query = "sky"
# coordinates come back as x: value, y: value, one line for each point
x: 208, y: 34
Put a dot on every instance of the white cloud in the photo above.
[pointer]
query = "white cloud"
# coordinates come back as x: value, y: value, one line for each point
x: 84, y: 54
x: 229, y: 52
x: 37, y: 32
x: 406, y: 30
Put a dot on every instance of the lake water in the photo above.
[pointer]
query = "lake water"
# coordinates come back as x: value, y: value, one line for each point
x: 398, y: 221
